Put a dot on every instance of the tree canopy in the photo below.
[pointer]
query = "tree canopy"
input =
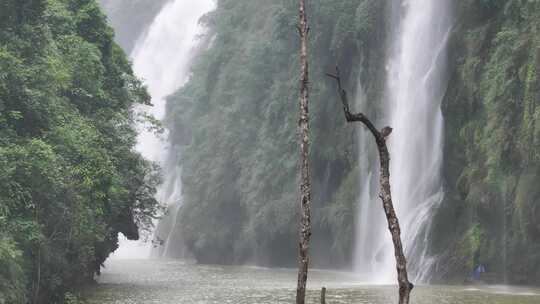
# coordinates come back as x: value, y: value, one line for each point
x: 70, y: 180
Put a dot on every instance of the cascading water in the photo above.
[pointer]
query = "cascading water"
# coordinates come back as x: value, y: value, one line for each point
x: 162, y: 59
x: 415, y: 86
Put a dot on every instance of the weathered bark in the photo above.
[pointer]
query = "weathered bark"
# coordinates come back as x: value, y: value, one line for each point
x: 37, y: 282
x: 405, y: 286
x: 38, y: 276
x: 305, y: 183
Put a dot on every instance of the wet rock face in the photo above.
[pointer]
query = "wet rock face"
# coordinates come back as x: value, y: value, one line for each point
x: 236, y: 112
x: 491, y: 149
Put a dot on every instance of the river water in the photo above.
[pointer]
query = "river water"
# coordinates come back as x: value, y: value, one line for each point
x: 178, y: 282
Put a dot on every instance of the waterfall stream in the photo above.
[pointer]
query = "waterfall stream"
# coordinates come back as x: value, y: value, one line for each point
x: 415, y: 86
x: 162, y: 59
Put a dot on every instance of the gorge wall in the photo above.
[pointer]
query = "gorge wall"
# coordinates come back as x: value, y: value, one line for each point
x: 491, y: 209
x: 235, y: 121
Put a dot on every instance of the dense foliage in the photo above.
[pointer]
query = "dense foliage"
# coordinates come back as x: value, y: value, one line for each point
x: 238, y: 116
x: 491, y: 215
x: 69, y: 178
x: 237, y: 119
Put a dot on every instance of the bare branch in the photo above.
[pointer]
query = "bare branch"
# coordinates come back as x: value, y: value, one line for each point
x: 405, y: 286
x: 346, y: 109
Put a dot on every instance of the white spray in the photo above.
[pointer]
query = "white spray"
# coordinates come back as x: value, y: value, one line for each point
x: 162, y: 59
x: 415, y: 86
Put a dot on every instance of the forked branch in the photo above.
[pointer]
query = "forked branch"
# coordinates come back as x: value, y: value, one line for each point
x: 405, y: 286
x: 350, y: 116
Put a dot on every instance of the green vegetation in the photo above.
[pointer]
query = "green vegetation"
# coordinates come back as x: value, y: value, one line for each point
x: 69, y: 178
x: 237, y: 120
x: 492, y: 151
x: 238, y: 116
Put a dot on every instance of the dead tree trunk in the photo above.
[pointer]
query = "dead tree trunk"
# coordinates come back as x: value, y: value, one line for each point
x: 305, y: 183
x: 405, y: 286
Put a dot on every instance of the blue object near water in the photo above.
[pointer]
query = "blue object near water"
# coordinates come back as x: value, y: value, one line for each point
x: 478, y: 271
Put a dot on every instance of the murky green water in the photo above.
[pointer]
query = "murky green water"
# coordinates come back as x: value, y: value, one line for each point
x: 168, y: 282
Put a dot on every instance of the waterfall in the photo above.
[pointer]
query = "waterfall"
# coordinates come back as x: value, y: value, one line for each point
x: 416, y: 82
x: 161, y: 57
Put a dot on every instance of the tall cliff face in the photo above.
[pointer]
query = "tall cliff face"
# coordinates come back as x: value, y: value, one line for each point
x: 237, y: 117
x: 492, y: 156
x: 235, y: 123
x: 237, y: 120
